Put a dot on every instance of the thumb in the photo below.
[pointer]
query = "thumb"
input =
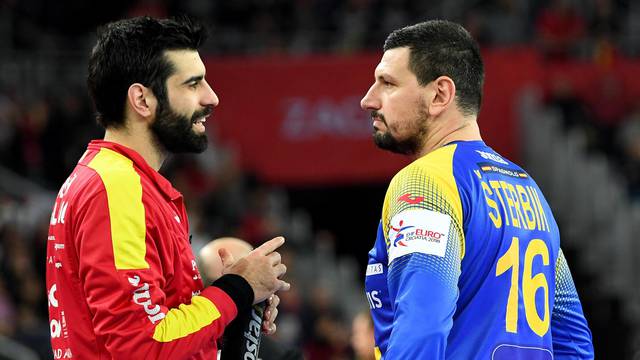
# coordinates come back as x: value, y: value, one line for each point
x: 226, y: 257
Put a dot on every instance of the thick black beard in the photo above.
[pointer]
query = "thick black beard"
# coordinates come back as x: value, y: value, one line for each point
x: 174, y: 132
x: 386, y: 141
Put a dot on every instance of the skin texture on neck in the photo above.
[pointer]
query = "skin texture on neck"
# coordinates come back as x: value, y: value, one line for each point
x: 138, y: 137
x: 444, y: 131
x: 135, y: 132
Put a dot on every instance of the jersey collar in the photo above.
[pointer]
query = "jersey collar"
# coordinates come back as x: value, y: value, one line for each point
x: 139, y: 162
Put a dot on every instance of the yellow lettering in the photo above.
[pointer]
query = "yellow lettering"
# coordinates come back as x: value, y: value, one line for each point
x: 529, y: 214
x: 496, y: 186
x: 533, y: 205
x: 510, y: 260
x: 543, y: 224
x: 514, y: 217
x: 495, y: 217
x: 531, y: 284
x: 516, y: 203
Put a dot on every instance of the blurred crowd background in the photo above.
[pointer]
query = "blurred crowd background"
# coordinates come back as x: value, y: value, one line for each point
x: 46, y: 121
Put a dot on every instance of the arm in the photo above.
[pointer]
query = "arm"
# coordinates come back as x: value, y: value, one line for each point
x: 569, y: 328
x: 125, y: 293
x: 423, y: 277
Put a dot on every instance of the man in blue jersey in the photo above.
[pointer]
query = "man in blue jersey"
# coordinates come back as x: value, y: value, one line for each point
x: 467, y: 262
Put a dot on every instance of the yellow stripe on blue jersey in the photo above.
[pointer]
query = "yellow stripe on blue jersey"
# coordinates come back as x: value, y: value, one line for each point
x: 427, y: 183
x: 186, y: 319
x: 126, y: 211
x: 376, y: 353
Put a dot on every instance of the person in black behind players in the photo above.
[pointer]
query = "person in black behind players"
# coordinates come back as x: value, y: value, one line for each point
x: 212, y: 267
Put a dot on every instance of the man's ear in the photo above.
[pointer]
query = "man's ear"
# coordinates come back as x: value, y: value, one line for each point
x: 443, y: 95
x: 141, y: 100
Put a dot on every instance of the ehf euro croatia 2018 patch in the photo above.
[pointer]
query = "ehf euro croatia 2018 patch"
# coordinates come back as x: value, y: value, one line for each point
x: 418, y: 231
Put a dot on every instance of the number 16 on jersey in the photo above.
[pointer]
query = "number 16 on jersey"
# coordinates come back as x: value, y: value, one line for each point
x: 530, y: 285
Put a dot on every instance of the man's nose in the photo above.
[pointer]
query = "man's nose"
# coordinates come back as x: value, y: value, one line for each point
x: 370, y: 101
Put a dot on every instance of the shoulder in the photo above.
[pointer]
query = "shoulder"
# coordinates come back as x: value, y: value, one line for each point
x: 108, y: 163
x: 81, y: 186
x: 117, y: 174
x: 427, y: 181
x: 438, y: 165
x: 111, y: 178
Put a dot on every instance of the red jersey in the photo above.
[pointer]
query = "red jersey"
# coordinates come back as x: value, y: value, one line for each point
x: 122, y: 280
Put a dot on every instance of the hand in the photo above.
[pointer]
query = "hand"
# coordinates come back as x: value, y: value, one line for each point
x: 270, y: 314
x: 261, y: 268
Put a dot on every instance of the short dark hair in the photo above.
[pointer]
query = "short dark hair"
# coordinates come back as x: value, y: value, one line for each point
x: 443, y: 48
x: 133, y: 51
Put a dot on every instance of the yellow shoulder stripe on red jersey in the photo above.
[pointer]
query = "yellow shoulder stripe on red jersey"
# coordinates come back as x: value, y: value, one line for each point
x: 126, y: 211
x: 186, y: 319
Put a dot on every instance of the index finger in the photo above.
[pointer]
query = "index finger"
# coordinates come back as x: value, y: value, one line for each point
x: 270, y: 246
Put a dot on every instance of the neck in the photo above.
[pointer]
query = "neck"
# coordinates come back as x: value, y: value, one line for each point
x: 139, y: 140
x: 464, y: 130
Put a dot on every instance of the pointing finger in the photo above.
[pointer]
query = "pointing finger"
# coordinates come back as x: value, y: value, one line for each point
x: 270, y: 246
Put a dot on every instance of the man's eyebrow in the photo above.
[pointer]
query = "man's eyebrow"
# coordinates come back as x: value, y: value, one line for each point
x: 196, y: 78
x: 386, y: 77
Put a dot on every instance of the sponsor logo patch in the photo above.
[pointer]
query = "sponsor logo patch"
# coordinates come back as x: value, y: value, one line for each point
x: 142, y: 297
x: 492, y: 157
x: 490, y: 168
x: 374, y: 269
x: 418, y: 231
x: 411, y: 199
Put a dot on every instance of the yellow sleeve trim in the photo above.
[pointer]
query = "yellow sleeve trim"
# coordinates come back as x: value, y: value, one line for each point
x: 186, y: 319
x: 430, y: 177
x: 126, y: 211
x: 376, y: 353
x: 441, y: 162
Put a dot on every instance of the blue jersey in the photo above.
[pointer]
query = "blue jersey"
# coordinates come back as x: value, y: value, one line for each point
x: 467, y: 265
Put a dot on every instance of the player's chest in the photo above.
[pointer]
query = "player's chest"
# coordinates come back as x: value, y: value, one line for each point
x: 182, y: 278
